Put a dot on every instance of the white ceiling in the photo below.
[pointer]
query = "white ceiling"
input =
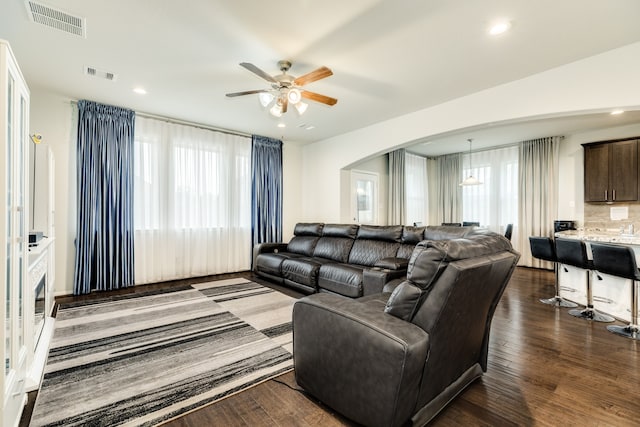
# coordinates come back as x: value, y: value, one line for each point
x: 389, y: 58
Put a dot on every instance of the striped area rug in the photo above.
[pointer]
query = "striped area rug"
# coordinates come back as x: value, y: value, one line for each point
x: 138, y: 360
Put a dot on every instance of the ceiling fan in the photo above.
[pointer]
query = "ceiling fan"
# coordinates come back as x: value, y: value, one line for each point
x: 286, y: 89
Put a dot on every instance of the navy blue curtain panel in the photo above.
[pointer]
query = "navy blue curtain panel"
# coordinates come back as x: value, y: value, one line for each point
x: 266, y: 190
x: 104, y: 242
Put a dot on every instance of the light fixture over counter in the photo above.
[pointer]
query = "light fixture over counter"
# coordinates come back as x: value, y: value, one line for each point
x: 470, y: 180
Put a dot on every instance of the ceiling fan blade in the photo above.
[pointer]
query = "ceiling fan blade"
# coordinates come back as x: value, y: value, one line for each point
x: 318, y: 97
x: 317, y: 74
x: 246, y: 92
x: 285, y: 105
x: 257, y: 71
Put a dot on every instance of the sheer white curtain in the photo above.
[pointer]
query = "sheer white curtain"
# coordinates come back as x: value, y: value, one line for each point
x: 449, y: 194
x: 538, y: 194
x: 494, y: 204
x: 192, y: 201
x: 417, y: 193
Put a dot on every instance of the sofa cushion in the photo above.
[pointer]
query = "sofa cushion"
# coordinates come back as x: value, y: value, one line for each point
x: 412, y: 235
x: 343, y: 279
x: 340, y: 230
x: 389, y: 233
x: 333, y: 248
x: 308, y: 229
x: 302, y: 270
x: 271, y: 263
x: 303, y: 245
x: 368, y: 252
x: 404, y: 301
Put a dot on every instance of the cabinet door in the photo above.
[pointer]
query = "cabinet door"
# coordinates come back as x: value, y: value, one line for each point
x: 596, y: 173
x: 13, y: 236
x: 623, y: 171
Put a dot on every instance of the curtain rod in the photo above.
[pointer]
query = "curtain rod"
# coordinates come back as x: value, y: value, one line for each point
x: 496, y: 147
x: 185, y: 122
x: 510, y: 145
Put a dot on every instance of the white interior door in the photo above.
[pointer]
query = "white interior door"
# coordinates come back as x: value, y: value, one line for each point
x: 364, y: 197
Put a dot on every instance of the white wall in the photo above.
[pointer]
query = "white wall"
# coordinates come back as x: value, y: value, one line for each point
x: 52, y: 116
x: 594, y: 84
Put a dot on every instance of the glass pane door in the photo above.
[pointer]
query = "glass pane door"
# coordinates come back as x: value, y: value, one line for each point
x: 364, y: 195
x: 9, y: 229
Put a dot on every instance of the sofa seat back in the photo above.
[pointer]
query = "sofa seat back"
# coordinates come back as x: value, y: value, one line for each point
x: 411, y: 236
x: 374, y: 243
x: 305, y: 238
x: 336, y: 242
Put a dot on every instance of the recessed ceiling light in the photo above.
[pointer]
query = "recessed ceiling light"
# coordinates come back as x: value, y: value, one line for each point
x: 310, y: 127
x: 616, y: 112
x: 140, y: 90
x: 500, y: 28
x: 281, y: 125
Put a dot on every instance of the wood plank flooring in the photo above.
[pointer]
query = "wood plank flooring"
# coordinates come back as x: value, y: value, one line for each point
x: 546, y: 368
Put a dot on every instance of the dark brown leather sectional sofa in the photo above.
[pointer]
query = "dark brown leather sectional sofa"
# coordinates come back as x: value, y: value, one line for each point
x: 397, y: 359
x: 345, y: 259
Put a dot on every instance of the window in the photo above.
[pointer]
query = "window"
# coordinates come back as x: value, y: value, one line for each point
x: 416, y: 189
x: 494, y: 203
x: 192, y: 201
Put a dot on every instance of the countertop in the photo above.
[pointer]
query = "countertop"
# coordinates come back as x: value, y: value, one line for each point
x: 597, y: 235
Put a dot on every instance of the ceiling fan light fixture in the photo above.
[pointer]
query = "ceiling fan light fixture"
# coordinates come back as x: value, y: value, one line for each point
x: 285, y: 89
x: 265, y: 98
x: 294, y: 96
x: 301, y: 107
x: 276, y: 110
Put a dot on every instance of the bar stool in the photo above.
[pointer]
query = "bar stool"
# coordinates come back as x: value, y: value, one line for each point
x: 574, y: 252
x: 620, y: 261
x: 543, y: 248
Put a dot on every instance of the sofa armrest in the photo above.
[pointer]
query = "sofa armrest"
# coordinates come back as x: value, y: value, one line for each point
x: 393, y: 263
x: 362, y: 362
x: 374, y: 279
x: 263, y: 248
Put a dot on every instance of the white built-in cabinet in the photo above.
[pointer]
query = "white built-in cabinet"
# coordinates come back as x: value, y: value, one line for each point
x: 15, y: 311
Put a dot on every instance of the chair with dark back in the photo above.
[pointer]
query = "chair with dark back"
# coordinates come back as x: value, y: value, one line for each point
x: 508, y: 231
x: 455, y: 224
x: 571, y: 252
x: 543, y: 248
x: 470, y: 224
x: 620, y: 261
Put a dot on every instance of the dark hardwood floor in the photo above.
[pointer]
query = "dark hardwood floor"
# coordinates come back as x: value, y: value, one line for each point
x: 545, y: 368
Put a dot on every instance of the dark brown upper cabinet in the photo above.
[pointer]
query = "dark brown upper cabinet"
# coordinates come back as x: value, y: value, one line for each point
x: 611, y: 171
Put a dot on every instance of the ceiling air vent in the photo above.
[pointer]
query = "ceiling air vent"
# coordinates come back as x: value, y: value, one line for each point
x: 55, y: 18
x: 92, y: 71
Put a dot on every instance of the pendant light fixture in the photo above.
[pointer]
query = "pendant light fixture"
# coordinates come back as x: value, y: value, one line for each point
x: 470, y: 180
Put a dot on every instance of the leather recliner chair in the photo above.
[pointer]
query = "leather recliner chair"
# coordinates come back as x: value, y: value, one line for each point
x: 389, y: 359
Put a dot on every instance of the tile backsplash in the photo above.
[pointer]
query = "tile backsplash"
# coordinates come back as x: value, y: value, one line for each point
x: 598, y: 215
